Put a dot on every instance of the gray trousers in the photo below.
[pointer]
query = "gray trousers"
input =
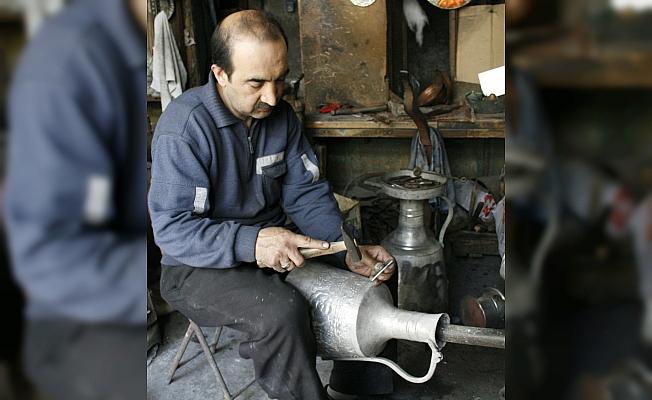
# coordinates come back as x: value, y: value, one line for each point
x: 68, y: 360
x: 275, y: 317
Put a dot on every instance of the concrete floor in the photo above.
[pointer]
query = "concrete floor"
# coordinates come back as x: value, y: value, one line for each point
x: 468, y: 373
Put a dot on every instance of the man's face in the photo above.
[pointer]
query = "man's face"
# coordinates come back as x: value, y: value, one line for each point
x: 257, y: 81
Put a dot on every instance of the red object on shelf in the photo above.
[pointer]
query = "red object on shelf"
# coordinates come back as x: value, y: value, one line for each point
x: 330, y: 107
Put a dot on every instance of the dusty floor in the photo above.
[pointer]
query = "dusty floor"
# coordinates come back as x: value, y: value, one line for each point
x: 468, y: 373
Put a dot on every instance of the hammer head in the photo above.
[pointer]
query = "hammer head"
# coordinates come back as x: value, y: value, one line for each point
x: 351, y: 244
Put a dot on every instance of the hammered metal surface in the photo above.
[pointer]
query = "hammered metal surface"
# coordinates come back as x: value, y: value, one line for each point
x: 334, y: 318
x: 351, y: 318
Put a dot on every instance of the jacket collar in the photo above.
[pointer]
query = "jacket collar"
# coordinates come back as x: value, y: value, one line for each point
x: 213, y: 102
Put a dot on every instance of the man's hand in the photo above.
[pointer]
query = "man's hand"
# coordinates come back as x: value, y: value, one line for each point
x: 278, y: 248
x: 372, y: 255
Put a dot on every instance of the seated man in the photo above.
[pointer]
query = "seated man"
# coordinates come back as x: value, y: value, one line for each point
x: 229, y: 164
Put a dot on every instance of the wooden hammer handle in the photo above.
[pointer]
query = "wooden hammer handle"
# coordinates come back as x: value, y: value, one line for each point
x: 335, y: 247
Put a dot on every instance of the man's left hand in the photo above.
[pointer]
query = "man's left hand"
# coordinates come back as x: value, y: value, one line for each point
x: 372, y: 255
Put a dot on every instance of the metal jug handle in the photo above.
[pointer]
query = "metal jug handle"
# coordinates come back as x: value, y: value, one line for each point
x: 449, y: 217
x: 434, y: 360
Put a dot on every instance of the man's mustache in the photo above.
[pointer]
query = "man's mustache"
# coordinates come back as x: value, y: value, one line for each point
x: 263, y: 107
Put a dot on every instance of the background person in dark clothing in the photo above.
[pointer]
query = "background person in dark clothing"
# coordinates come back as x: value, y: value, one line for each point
x: 230, y: 165
x: 74, y: 201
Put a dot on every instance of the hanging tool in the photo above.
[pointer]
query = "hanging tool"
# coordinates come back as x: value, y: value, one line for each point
x: 419, y: 119
x: 358, y: 110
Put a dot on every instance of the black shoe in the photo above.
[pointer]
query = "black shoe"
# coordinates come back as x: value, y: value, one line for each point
x: 335, y: 395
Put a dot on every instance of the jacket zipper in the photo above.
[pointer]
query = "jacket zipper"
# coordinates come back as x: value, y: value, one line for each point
x: 251, y: 147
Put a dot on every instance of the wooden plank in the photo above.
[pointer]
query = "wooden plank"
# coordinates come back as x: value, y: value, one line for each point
x: 452, y: 43
x: 362, y: 133
x: 344, y: 52
x: 350, y: 122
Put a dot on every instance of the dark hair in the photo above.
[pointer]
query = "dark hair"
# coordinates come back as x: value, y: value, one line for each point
x: 255, y: 23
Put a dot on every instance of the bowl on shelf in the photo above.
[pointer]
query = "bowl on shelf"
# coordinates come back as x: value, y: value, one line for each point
x: 449, y: 4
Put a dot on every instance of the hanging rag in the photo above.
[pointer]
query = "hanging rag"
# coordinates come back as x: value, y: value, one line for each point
x: 168, y: 72
x: 416, y: 18
x: 438, y: 161
x: 37, y: 11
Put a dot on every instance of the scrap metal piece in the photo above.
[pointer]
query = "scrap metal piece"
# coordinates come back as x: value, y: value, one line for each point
x: 486, y: 311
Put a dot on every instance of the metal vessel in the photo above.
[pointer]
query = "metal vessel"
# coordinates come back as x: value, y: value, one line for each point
x: 422, y: 283
x: 486, y: 311
x: 352, y: 319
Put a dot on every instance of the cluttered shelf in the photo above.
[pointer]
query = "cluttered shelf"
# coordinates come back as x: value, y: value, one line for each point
x: 591, y: 71
x: 613, y: 54
x: 454, y: 125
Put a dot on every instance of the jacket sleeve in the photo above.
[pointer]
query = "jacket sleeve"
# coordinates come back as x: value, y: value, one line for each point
x: 58, y: 208
x: 307, y: 197
x: 178, y: 204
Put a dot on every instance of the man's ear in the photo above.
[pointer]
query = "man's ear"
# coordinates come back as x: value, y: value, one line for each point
x: 220, y: 75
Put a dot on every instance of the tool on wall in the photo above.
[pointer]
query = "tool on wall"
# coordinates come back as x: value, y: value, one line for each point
x: 419, y: 119
x: 358, y: 110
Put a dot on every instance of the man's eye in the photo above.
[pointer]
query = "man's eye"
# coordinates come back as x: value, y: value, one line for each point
x: 256, y: 85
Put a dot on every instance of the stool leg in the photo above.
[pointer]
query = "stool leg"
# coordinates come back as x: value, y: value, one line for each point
x: 239, y: 392
x: 216, y: 339
x: 177, y: 357
x: 211, y: 360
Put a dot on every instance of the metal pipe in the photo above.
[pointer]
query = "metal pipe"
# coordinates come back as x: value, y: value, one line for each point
x: 471, y: 336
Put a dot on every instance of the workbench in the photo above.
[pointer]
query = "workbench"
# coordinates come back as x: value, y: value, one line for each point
x: 456, y: 125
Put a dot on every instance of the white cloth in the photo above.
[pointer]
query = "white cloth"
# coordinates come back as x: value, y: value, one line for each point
x: 640, y: 224
x: 168, y: 72
x: 416, y: 18
x: 36, y: 11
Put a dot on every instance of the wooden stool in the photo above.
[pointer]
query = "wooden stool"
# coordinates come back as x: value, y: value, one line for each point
x: 194, y: 329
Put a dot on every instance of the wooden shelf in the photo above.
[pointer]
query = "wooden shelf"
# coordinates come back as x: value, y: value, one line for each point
x: 576, y: 62
x: 322, y: 126
x: 577, y: 73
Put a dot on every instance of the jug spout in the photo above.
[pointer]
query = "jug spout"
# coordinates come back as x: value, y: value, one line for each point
x: 392, y: 323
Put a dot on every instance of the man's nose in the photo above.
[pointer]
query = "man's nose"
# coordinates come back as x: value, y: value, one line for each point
x: 269, y: 95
